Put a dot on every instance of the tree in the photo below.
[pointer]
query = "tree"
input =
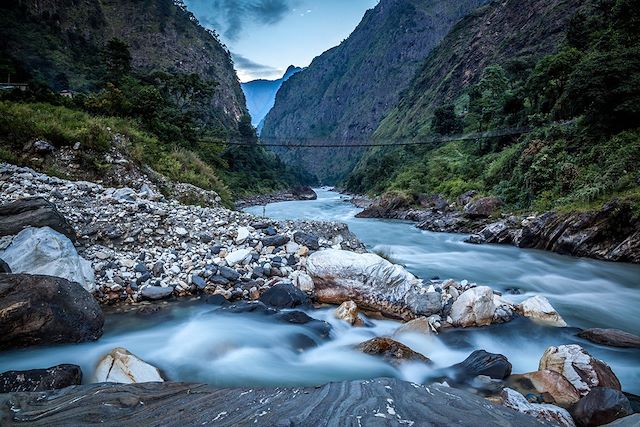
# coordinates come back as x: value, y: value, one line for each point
x: 446, y: 121
x: 117, y: 60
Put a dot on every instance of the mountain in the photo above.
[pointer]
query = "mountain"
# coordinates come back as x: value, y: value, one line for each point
x: 346, y: 91
x: 261, y: 95
x: 59, y: 43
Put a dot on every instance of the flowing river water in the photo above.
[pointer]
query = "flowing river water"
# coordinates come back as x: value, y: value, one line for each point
x: 192, y: 341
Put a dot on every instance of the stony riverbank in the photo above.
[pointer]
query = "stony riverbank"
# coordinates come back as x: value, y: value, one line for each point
x: 296, y: 193
x: 611, y: 233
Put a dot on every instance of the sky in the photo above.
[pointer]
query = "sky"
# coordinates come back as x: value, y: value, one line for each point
x: 266, y: 36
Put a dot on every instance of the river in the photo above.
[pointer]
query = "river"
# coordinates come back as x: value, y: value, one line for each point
x: 192, y: 341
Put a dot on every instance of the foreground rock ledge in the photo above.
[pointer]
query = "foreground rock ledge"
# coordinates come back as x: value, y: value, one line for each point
x: 368, y: 403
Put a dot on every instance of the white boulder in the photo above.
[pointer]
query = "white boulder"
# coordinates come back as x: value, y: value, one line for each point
x: 474, y: 307
x: 542, y: 411
x: 372, y: 282
x: 539, y: 309
x: 47, y: 252
x: 242, y: 236
x: 302, y: 281
x: 237, y: 257
x: 120, y: 366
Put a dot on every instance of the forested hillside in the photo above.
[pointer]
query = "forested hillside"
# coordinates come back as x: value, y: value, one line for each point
x: 346, y: 91
x: 142, y: 69
x: 581, y: 103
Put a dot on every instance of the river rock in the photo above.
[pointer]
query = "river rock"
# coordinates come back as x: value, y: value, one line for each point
x: 392, y: 351
x: 419, y: 325
x: 237, y: 257
x: 277, y: 240
x: 372, y: 282
x: 629, y: 421
x: 611, y: 337
x: 304, y: 193
x: 307, y: 239
x: 545, y: 387
x: 475, y: 307
x: 539, y: 309
x: 56, y: 377
x: 120, y: 366
x: 544, y: 412
x: 348, y: 311
x: 45, y: 251
x: 482, y: 208
x: 154, y: 293
x: 284, y: 295
x: 46, y: 310
x: 480, y: 362
x: 601, y: 406
x: 33, y: 212
x: 242, y: 236
x: 374, y: 402
x: 302, y: 281
x: 579, y: 367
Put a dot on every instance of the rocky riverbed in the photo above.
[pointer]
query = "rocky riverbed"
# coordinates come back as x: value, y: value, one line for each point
x: 67, y: 246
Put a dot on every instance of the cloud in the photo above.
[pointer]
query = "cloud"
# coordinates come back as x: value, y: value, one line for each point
x: 250, y: 70
x: 229, y: 17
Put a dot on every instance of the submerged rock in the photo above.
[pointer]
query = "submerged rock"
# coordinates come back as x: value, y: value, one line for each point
x: 46, y: 310
x: 392, y: 351
x: 545, y: 387
x: 55, y: 377
x: 601, y: 406
x: 120, y: 366
x: 33, y: 212
x: 475, y: 307
x: 544, y: 412
x: 611, y: 337
x: 539, y: 309
x: 372, y: 282
x: 45, y: 251
x: 374, y: 402
x: 579, y: 367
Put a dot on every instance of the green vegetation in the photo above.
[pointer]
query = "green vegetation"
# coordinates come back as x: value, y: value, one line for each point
x: 582, y: 104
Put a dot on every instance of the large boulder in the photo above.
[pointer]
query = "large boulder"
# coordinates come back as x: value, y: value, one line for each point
x: 46, y: 310
x: 53, y: 378
x: 284, y: 295
x: 33, y: 212
x: 45, y: 251
x: 539, y: 309
x: 482, y: 208
x: 545, y: 387
x: 611, y: 337
x: 392, y: 351
x: 373, y: 402
x: 372, y: 282
x: 474, y: 307
x: 579, y: 367
x: 120, y: 366
x: 601, y: 406
x: 480, y: 362
x: 304, y: 193
x: 542, y: 411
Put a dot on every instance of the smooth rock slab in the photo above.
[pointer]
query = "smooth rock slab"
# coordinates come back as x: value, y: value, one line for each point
x: 55, y: 377
x: 46, y: 310
x: 372, y: 282
x: 611, y: 337
x: 45, y: 251
x: 601, y: 406
x: 378, y: 402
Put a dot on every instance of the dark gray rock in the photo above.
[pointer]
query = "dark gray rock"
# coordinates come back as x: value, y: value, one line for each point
x: 480, y: 362
x: 46, y: 310
x: 33, y: 212
x: 141, y: 268
x: 198, y: 281
x: 611, y: 337
x: 4, y: 267
x: 56, y: 377
x: 306, y: 239
x: 601, y: 406
x: 270, y: 231
x: 284, y: 295
x: 215, y: 249
x: 156, y: 292
x: 229, y: 273
x: 158, y: 268
x: 277, y: 240
x: 378, y: 402
x: 219, y: 280
x: 304, y: 193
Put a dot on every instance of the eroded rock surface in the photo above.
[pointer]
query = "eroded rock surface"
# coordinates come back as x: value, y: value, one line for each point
x: 120, y: 366
x: 55, y: 377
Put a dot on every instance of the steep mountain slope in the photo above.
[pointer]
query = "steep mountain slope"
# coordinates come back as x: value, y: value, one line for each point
x: 59, y: 42
x: 504, y: 32
x: 345, y: 92
x: 261, y: 95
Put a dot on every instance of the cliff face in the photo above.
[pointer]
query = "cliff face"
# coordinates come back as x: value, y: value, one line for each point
x: 59, y: 42
x: 498, y: 33
x: 346, y: 91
